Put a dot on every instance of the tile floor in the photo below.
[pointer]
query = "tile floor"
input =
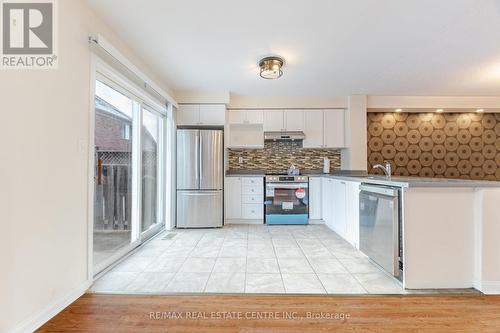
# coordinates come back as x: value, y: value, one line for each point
x: 308, y: 259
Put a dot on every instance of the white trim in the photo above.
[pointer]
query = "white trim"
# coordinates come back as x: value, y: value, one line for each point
x: 90, y: 171
x: 109, y: 48
x: 488, y: 287
x: 171, y: 165
x: 117, y: 256
x: 136, y: 210
x: 126, y: 86
x: 244, y: 221
x: 35, y: 321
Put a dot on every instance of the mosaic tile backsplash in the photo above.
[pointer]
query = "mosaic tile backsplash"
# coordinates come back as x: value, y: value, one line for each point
x: 451, y: 145
x: 278, y: 156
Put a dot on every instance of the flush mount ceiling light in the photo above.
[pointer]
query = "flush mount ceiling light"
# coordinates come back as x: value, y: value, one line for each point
x: 270, y: 67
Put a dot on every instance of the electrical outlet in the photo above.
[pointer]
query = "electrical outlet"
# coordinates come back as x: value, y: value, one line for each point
x: 240, y: 159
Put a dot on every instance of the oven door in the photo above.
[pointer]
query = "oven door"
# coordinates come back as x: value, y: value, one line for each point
x: 287, y: 203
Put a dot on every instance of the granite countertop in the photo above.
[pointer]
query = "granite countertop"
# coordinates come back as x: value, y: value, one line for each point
x: 257, y: 173
x: 249, y: 173
x: 363, y: 177
x: 419, y: 181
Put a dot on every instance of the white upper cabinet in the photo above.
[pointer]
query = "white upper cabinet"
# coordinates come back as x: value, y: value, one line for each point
x: 313, y: 129
x: 273, y: 120
x: 254, y: 117
x: 201, y: 114
x: 212, y: 114
x: 245, y: 129
x: 188, y: 114
x: 245, y: 117
x: 294, y: 120
x: 322, y: 128
x: 334, y: 121
x: 236, y: 116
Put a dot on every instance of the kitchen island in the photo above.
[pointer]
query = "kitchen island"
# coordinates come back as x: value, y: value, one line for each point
x: 448, y: 228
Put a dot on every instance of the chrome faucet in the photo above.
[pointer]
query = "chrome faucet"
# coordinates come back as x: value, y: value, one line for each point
x: 386, y: 168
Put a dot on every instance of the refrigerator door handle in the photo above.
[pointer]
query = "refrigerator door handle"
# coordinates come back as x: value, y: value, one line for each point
x: 201, y: 193
x: 201, y: 158
x: 197, y: 153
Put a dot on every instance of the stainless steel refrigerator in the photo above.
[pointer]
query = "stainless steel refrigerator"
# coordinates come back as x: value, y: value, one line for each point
x: 200, y: 178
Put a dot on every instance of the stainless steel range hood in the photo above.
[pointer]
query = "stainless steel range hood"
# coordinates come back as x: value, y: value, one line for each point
x: 284, y: 136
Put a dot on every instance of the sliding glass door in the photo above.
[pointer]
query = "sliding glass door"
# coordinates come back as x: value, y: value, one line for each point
x: 152, y: 161
x: 113, y: 191
x: 129, y: 172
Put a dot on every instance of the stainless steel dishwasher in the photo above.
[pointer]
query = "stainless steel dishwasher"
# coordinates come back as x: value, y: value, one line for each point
x: 380, y: 226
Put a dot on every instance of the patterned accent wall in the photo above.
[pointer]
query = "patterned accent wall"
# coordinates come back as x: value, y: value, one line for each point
x: 451, y: 145
x: 278, y: 156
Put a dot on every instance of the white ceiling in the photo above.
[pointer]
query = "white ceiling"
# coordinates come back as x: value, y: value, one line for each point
x: 332, y: 47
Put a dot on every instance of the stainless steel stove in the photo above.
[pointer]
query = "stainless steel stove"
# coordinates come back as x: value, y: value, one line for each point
x: 287, y: 199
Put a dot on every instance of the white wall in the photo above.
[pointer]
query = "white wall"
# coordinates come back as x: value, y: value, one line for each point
x: 355, y: 157
x: 487, y: 270
x: 286, y: 102
x: 438, y: 240
x: 43, y: 173
x: 202, y: 97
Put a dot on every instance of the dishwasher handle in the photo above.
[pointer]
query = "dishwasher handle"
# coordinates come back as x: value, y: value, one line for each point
x: 389, y: 191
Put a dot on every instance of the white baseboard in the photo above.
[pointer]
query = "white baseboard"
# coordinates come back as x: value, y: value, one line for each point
x: 38, y: 319
x: 247, y: 221
x: 243, y: 221
x: 489, y: 287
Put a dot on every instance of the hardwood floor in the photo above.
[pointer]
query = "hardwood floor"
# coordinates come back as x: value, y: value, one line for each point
x: 125, y: 313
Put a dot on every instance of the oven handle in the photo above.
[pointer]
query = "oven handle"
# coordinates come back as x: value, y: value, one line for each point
x: 287, y: 185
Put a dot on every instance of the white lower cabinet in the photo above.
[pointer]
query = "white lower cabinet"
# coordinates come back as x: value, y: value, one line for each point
x: 339, y: 200
x: 352, y: 213
x: 327, y: 201
x: 252, y: 211
x: 339, y: 204
x: 251, y: 198
x: 315, y: 198
x: 232, y: 194
x: 244, y: 198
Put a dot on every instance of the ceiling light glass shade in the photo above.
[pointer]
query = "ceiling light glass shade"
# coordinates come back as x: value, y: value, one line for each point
x: 270, y: 67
